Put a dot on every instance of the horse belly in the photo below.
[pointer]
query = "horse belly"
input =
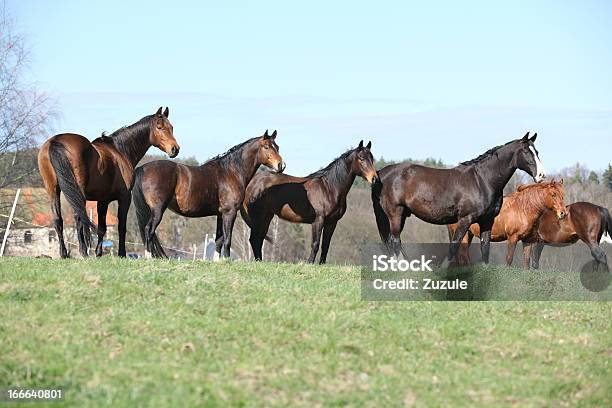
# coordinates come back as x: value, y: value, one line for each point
x: 433, y: 204
x: 433, y: 213
x: 288, y: 213
x: 195, y: 205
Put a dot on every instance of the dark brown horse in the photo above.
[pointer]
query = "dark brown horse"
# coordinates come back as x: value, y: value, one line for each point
x: 518, y: 219
x: 587, y: 222
x: 471, y: 192
x: 102, y: 171
x: 214, y: 188
x: 318, y: 199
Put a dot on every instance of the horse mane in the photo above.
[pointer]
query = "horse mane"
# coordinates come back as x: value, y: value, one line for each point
x: 485, y: 155
x: 232, y: 156
x: 532, y: 195
x: 128, y: 139
x: 334, y: 170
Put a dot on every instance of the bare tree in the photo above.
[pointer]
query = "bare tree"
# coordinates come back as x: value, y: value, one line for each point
x: 26, y: 113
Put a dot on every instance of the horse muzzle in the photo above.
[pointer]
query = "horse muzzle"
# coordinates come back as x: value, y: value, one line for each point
x: 280, y: 167
x: 174, y: 151
x: 539, y: 177
x: 561, y: 214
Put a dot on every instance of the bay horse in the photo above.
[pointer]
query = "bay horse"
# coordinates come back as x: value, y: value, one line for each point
x: 469, y: 193
x: 214, y: 188
x: 518, y: 219
x: 318, y: 199
x: 102, y: 171
x: 587, y: 222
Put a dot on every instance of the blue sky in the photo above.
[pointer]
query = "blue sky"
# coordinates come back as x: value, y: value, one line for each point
x: 420, y: 79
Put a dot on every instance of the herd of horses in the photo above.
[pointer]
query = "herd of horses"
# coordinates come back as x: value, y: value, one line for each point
x: 468, y: 198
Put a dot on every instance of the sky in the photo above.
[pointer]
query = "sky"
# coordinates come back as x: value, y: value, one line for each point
x: 446, y: 80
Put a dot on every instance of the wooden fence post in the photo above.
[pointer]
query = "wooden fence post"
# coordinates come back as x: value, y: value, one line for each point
x: 10, y: 221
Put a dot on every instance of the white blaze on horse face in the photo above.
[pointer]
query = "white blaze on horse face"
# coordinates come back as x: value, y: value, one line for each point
x: 540, y: 173
x: 606, y: 238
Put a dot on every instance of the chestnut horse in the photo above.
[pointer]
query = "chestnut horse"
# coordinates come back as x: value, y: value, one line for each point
x: 318, y: 199
x: 214, y: 188
x: 102, y: 171
x: 471, y: 192
x: 519, y: 218
x: 587, y: 222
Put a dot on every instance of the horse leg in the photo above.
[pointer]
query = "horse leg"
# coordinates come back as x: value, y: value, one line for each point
x: 328, y: 231
x: 396, y: 224
x: 463, y: 257
x: 219, y: 235
x: 601, y: 260
x: 156, y: 217
x: 228, y: 225
x: 259, y: 229
x: 512, y: 241
x: 58, y: 222
x: 536, y: 253
x: 317, y: 227
x: 124, y: 206
x: 102, y: 209
x: 527, y: 250
x: 485, y: 240
x: 463, y: 225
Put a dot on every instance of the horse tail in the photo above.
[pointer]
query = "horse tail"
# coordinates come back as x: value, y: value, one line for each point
x: 382, y: 221
x: 606, y: 225
x: 244, y: 213
x: 143, y: 213
x: 74, y: 195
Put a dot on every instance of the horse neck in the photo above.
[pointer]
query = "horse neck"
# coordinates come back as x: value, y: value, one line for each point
x: 250, y: 164
x: 133, y: 143
x: 341, y: 176
x: 499, y: 169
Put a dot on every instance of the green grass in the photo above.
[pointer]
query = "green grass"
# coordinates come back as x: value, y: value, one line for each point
x: 163, y: 333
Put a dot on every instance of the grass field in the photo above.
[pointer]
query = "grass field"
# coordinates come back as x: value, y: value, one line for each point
x: 150, y: 333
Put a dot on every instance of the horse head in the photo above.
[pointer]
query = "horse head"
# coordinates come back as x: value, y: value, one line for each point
x: 161, y: 133
x: 267, y: 153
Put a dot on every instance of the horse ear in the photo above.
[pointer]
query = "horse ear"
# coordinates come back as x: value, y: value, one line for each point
x: 159, y: 111
x: 166, y: 111
x: 369, y: 145
x: 534, y: 137
x: 561, y: 181
x: 266, y: 135
x: 274, y: 134
x: 526, y: 137
x: 521, y: 187
x: 360, y: 147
